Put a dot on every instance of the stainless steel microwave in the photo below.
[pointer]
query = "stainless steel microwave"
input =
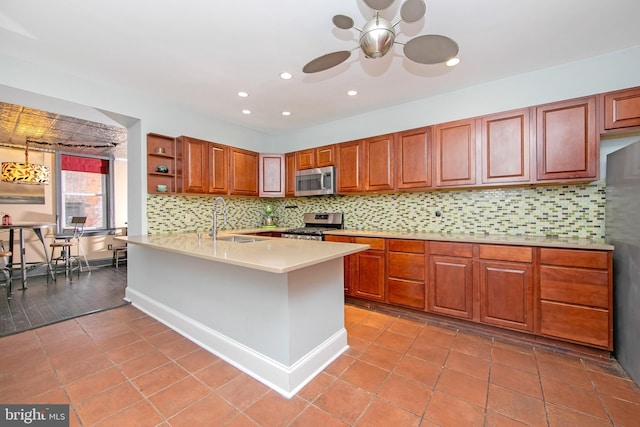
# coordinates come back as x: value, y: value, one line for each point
x: 315, y: 182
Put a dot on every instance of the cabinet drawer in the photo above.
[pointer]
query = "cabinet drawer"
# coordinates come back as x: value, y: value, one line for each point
x: 575, y: 323
x: 506, y: 253
x: 342, y: 239
x: 406, y: 292
x: 575, y: 285
x: 406, y: 266
x: 574, y: 258
x: 451, y: 249
x: 374, y: 242
x: 412, y: 246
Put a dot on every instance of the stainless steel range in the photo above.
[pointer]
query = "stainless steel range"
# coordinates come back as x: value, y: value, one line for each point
x: 315, y: 226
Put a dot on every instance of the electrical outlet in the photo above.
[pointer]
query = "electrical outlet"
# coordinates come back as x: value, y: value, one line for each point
x: 109, y: 247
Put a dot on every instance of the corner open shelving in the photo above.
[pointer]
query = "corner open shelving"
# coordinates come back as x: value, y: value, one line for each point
x: 162, y: 151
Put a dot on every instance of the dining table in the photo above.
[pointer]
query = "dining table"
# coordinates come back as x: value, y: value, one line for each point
x: 37, y: 228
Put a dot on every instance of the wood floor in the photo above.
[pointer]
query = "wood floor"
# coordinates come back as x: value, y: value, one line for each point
x: 45, y: 303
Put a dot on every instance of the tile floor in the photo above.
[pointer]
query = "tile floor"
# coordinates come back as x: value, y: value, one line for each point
x: 122, y: 368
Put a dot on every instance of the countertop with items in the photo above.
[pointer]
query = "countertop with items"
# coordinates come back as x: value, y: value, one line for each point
x: 495, y: 239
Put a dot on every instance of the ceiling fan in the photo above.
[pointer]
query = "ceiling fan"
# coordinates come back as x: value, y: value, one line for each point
x: 378, y: 35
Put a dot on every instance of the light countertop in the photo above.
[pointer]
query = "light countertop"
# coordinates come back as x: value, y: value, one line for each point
x: 274, y: 255
x: 553, y: 242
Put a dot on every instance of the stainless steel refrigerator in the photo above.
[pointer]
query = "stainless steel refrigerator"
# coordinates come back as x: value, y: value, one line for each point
x: 623, y: 231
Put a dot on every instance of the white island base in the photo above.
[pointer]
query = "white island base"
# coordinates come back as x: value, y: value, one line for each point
x: 280, y: 328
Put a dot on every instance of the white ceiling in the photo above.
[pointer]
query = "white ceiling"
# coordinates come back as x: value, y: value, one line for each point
x: 200, y: 53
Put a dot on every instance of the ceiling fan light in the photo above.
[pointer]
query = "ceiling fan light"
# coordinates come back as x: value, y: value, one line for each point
x: 377, y: 38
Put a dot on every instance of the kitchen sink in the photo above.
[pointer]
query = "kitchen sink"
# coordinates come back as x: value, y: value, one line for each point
x: 239, y: 239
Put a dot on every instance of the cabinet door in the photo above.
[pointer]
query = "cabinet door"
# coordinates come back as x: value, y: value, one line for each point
x: 369, y: 275
x: 567, y: 142
x: 243, y: 172
x: 272, y: 170
x: 506, y: 294
x: 218, y: 169
x: 413, y: 159
x: 450, y: 286
x: 506, y: 151
x: 350, y: 157
x: 290, y: 170
x: 325, y: 156
x: 195, y: 154
x: 305, y: 159
x: 455, y: 153
x: 622, y: 109
x: 379, y: 161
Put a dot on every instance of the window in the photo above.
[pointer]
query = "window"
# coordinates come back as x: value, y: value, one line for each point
x: 84, y: 185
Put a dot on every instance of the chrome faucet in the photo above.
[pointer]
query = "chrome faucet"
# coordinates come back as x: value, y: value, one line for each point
x: 214, y: 227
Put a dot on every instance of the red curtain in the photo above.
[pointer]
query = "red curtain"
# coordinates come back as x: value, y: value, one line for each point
x: 84, y: 164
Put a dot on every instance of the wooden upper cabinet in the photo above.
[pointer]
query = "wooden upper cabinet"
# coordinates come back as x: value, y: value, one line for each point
x: 622, y: 109
x: 290, y: 171
x: 272, y: 175
x: 455, y: 153
x: 218, y: 169
x: 379, y: 163
x: 350, y: 159
x: 194, y: 157
x: 315, y: 157
x: 325, y: 156
x: 413, y: 159
x: 305, y: 159
x: 506, y: 147
x: 567, y: 141
x: 243, y: 172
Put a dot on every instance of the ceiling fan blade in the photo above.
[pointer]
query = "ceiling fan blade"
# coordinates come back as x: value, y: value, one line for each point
x: 430, y: 49
x: 378, y: 4
x: 327, y: 61
x: 412, y: 10
x: 343, y: 22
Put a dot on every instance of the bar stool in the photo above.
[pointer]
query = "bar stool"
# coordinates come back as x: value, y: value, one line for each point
x: 120, y: 252
x: 6, y: 270
x: 65, y: 243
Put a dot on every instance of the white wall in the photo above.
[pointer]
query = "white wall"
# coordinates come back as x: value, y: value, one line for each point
x: 605, y: 73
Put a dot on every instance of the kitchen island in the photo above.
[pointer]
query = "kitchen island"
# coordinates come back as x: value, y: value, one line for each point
x: 273, y: 308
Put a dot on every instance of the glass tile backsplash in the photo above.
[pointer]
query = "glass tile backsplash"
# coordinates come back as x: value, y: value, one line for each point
x: 565, y: 210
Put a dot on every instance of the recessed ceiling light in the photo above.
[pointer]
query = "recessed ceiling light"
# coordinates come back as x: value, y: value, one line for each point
x: 246, y: 111
x: 243, y: 94
x: 286, y: 113
x: 452, y: 62
x: 286, y: 76
x: 352, y: 92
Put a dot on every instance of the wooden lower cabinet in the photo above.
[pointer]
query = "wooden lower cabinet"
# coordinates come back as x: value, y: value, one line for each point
x: 368, y: 270
x: 576, y: 296
x: 564, y: 294
x: 506, y: 286
x: 406, y: 273
x: 451, y: 279
x: 506, y: 294
x: 451, y: 286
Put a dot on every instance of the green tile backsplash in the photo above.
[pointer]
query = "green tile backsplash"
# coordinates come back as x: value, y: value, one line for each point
x: 566, y: 210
